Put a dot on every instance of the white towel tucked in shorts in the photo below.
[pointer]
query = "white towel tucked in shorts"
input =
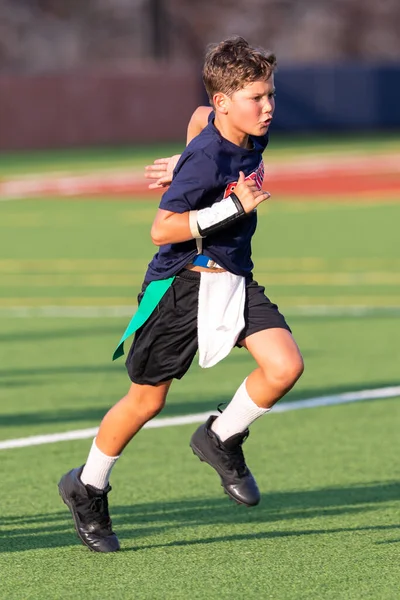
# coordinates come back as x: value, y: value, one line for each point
x: 220, y: 315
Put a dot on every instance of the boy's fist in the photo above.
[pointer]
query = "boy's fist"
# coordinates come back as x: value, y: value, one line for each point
x: 249, y: 194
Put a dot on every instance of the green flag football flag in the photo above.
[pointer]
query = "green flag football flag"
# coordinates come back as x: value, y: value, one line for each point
x: 151, y: 298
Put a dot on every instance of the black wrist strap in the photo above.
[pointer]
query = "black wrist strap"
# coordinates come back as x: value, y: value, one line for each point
x: 238, y: 203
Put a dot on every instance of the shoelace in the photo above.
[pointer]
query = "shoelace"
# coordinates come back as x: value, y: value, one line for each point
x: 99, y: 508
x: 236, y: 462
x: 235, y: 457
x: 95, y: 509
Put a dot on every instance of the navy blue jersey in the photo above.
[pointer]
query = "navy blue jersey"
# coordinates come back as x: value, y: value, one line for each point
x: 208, y: 171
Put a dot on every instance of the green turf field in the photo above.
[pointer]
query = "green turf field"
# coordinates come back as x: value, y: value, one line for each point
x: 327, y: 527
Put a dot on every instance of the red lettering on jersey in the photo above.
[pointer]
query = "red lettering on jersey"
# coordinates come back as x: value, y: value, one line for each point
x: 257, y: 176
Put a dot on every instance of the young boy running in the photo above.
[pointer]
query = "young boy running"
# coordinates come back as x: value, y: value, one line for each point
x: 198, y: 292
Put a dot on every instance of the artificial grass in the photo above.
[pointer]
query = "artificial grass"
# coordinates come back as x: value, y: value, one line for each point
x: 327, y: 526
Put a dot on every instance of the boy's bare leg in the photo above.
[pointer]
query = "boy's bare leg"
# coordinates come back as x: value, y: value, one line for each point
x: 120, y: 424
x: 280, y: 365
x: 127, y: 417
x: 218, y: 442
x: 84, y: 489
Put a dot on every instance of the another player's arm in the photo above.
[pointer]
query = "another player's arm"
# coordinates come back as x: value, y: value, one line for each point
x: 172, y: 228
x: 198, y: 121
x: 162, y: 168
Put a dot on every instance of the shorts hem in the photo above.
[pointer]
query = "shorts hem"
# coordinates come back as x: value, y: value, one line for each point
x: 284, y: 326
x: 150, y: 380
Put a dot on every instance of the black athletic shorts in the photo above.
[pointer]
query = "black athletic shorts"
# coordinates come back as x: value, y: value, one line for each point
x: 164, y: 347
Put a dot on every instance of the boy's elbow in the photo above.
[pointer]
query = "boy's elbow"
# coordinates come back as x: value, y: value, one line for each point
x: 155, y: 237
x: 158, y: 235
x: 167, y: 230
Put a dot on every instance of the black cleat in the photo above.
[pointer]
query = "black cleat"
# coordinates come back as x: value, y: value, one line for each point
x: 89, y: 509
x: 228, y: 460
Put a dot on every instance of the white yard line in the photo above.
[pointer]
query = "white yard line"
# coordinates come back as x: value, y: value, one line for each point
x: 317, y: 310
x: 82, y: 434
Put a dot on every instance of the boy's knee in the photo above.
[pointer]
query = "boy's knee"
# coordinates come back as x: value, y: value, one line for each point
x: 286, y: 372
x: 298, y: 368
x: 146, y: 403
x: 152, y: 406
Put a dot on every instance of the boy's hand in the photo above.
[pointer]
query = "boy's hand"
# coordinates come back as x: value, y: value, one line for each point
x: 249, y: 194
x: 161, y: 170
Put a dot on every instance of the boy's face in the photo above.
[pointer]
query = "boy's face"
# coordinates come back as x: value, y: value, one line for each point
x: 250, y: 110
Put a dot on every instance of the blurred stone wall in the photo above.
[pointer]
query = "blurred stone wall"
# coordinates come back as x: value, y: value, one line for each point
x: 302, y: 31
x: 49, y: 35
x: 86, y: 72
x: 96, y: 107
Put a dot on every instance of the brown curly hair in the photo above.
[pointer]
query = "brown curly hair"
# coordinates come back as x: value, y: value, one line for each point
x: 232, y: 64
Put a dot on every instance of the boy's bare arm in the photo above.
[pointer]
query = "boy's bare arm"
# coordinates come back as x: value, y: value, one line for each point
x: 172, y: 228
x: 162, y: 169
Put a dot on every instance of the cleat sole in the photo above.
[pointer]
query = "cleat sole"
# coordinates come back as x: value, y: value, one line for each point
x: 200, y: 459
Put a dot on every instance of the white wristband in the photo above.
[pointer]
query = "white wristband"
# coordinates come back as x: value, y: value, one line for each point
x: 215, y: 217
x: 194, y: 229
x: 219, y: 215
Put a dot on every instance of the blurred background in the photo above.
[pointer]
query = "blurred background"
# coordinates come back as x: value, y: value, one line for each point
x: 109, y: 71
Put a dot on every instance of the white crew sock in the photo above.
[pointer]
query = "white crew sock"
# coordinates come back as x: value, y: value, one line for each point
x: 97, y: 468
x: 238, y: 415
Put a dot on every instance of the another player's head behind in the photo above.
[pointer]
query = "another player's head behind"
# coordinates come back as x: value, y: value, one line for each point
x: 239, y: 81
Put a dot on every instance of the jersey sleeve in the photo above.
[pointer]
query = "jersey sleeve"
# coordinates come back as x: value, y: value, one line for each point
x: 195, y: 176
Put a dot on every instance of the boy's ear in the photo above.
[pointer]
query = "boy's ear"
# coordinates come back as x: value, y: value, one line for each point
x: 221, y: 102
